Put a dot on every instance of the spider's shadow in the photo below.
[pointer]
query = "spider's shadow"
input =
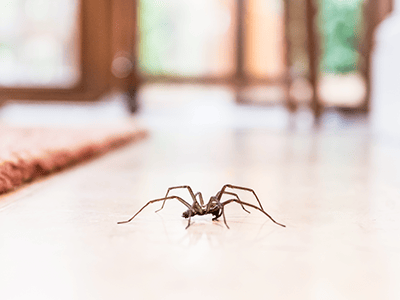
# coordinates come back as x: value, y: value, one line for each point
x: 216, y: 234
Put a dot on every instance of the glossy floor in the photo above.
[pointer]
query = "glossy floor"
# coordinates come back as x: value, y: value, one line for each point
x: 337, y: 191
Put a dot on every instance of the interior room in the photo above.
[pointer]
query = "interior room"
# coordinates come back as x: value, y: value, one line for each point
x: 265, y: 134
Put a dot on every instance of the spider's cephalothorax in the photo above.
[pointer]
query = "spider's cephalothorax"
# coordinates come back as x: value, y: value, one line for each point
x: 214, y: 206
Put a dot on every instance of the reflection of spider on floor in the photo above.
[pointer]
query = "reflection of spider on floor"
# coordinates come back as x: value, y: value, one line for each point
x: 214, y: 205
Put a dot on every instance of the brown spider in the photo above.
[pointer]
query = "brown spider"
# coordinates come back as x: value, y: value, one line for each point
x: 214, y: 205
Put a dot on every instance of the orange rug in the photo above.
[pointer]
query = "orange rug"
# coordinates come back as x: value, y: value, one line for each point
x: 27, y: 153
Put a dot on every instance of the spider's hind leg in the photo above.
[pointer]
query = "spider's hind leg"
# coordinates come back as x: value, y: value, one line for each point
x: 222, y: 191
x: 236, y: 195
x: 253, y: 206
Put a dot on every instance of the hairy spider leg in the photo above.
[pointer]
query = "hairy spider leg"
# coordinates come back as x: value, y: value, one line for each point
x: 156, y: 200
x: 253, y: 206
x: 180, y: 187
x: 222, y: 191
x: 236, y: 195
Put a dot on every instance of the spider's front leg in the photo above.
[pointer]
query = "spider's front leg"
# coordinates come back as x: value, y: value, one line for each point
x: 181, y: 187
x: 215, y: 207
x: 220, y: 211
x: 223, y: 215
x: 157, y: 200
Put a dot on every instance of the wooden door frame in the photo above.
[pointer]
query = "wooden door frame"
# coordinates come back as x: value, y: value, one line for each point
x: 95, y: 55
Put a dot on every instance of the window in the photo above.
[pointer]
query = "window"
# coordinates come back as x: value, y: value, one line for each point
x: 58, y: 49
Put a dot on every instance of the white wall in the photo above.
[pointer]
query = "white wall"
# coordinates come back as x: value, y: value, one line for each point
x: 385, y: 102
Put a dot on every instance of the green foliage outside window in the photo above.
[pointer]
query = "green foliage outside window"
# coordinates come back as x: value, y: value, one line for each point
x: 156, y: 28
x: 340, y: 23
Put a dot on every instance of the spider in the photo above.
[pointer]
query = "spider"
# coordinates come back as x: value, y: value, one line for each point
x: 214, y: 205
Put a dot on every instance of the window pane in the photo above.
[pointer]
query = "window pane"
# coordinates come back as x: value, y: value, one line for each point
x: 186, y: 37
x: 39, y: 43
x: 342, y: 64
x: 264, y: 51
x: 265, y: 38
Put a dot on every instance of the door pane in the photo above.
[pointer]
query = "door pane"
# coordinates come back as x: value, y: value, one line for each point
x: 186, y: 37
x: 39, y: 43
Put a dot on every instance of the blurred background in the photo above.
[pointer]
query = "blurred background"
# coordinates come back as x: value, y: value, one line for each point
x: 209, y: 61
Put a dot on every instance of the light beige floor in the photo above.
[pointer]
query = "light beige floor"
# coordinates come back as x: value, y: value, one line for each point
x: 337, y: 190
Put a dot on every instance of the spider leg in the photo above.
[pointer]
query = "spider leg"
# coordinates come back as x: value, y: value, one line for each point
x: 223, y: 215
x: 221, y: 212
x: 200, y: 198
x: 239, y: 188
x: 179, y: 187
x: 156, y: 200
x: 190, y: 214
x: 190, y: 217
x: 236, y: 195
x: 209, y: 203
x: 253, y: 206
